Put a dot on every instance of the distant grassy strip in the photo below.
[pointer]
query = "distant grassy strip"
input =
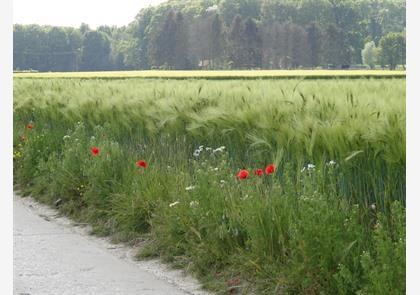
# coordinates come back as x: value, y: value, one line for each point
x: 221, y: 75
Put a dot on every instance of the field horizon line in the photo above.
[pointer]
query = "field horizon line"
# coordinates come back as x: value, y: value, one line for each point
x: 219, y: 74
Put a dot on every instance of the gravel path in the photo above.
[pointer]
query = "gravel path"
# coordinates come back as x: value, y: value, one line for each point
x: 53, y: 256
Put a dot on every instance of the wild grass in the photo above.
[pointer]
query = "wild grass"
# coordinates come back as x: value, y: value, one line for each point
x: 334, y: 228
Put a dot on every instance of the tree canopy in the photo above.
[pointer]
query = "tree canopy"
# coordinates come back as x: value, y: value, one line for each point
x: 222, y: 34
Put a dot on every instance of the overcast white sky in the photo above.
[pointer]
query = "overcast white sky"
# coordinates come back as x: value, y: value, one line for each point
x: 73, y: 13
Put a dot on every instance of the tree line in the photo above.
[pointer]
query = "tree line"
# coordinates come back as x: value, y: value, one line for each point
x: 225, y: 34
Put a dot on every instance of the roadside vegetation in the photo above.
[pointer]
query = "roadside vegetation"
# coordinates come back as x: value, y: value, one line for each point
x: 260, y: 186
x: 222, y: 75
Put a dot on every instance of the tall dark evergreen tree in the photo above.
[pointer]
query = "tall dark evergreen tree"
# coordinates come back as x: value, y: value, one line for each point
x: 95, y: 52
x: 333, y: 46
x: 375, y: 28
x: 252, y: 45
x: 75, y: 46
x: 180, y: 46
x: 314, y: 41
x: 286, y: 47
x: 267, y: 46
x: 58, y: 49
x: 217, y: 41
x: 236, y: 43
x: 163, y: 44
x: 19, y: 47
x: 274, y: 45
x: 298, y: 52
x: 138, y: 56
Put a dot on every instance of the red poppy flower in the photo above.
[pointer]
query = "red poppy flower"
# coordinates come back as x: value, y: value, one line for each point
x: 94, y: 150
x: 259, y: 172
x: 29, y: 126
x: 141, y: 163
x: 243, y: 174
x: 270, y: 169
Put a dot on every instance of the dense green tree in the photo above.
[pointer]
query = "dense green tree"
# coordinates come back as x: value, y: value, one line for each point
x: 278, y: 11
x: 138, y: 46
x: 180, y: 48
x: 392, y: 49
x: 245, y: 8
x: 60, y: 55
x: 95, y: 52
x: 75, y: 38
x: 334, y: 51
x: 200, y: 47
x: 119, y: 41
x: 236, y: 43
x: 297, y: 49
x: 314, y: 41
x: 19, y: 47
x: 84, y: 28
x: 46, y: 48
x: 374, y: 28
x: 217, y: 40
x: 252, y: 45
x: 163, y: 43
x: 35, y: 53
x: 107, y: 30
x: 269, y: 45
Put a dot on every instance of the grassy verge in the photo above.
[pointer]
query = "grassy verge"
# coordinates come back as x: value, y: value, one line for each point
x: 329, y: 220
x: 222, y: 75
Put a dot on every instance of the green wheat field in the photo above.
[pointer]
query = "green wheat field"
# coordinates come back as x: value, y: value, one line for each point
x: 160, y: 160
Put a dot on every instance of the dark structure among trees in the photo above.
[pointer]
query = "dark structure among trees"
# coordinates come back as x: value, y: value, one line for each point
x: 224, y: 34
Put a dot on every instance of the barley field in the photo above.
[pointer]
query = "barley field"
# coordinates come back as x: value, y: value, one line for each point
x: 293, y: 186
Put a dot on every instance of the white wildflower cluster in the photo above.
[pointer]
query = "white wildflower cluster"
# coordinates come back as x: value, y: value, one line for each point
x: 309, y: 167
x: 304, y: 198
x: 201, y: 148
x: 65, y: 137
x: 190, y: 188
x: 198, y: 151
x: 194, y: 204
x: 174, y: 204
x: 219, y: 150
x: 332, y: 163
x: 245, y: 197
